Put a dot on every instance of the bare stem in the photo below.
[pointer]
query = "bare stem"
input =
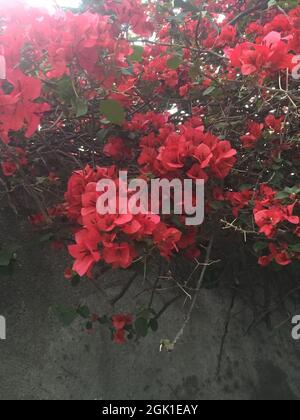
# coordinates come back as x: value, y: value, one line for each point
x: 194, y: 300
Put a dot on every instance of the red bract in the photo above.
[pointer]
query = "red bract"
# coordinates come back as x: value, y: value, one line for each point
x: 121, y: 320
x: 274, y: 123
x: 119, y: 337
x: 78, y: 183
x: 267, y: 221
x: 18, y: 108
x: 68, y: 274
x: 190, y: 148
x: 116, y: 149
x: 85, y: 251
x: 119, y: 255
x: 9, y: 168
x: 227, y: 35
x: 278, y: 253
x: 239, y: 200
x: 132, y: 13
x: 254, y: 134
x: 265, y: 59
x: 166, y: 239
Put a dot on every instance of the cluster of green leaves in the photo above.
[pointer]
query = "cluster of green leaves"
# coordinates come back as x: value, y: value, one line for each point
x: 112, y: 110
x: 8, y: 256
x: 145, y: 320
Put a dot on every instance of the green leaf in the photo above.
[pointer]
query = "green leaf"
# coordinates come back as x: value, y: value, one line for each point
x: 144, y: 312
x: 81, y: 107
x: 129, y: 71
x: 259, y: 246
x: 89, y: 325
x: 282, y: 195
x: 216, y: 205
x: 65, y: 315
x: 187, y: 6
x: 102, y: 134
x: 174, y: 62
x: 295, y: 248
x: 141, y: 327
x: 113, y: 111
x: 294, y: 190
x: 84, y: 312
x: 272, y: 3
x: 137, y: 55
x: 209, y: 90
x: 246, y: 187
x: 6, y: 256
x: 153, y: 324
x: 65, y: 89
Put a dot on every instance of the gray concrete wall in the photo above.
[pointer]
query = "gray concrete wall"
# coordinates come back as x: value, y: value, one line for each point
x: 42, y: 360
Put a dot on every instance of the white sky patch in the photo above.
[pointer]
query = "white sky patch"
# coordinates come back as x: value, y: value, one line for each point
x: 50, y: 5
x: 173, y: 110
x: 221, y: 18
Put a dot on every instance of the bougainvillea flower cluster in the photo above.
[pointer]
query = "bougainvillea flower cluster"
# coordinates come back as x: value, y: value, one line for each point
x: 160, y: 89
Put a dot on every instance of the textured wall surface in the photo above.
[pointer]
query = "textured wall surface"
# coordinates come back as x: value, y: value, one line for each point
x: 42, y: 360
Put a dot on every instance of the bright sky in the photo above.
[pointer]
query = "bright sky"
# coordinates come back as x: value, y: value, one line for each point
x: 49, y: 4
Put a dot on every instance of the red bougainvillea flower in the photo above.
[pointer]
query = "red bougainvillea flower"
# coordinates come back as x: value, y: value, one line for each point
x: 265, y: 260
x: 68, y: 274
x: 18, y: 108
x: 274, y: 123
x: 77, y: 186
x: 120, y: 321
x: 227, y: 35
x: 119, y: 337
x: 85, y: 251
x: 203, y: 154
x: 254, y: 134
x: 196, y: 172
x: 239, y: 200
x: 9, y: 168
x: 224, y: 158
x: 271, y: 56
x: 173, y: 153
x: 184, y: 90
x: 116, y: 149
x: 148, y: 223
x: 280, y: 254
x: 166, y: 239
x: 267, y: 221
x: 119, y: 255
x: 288, y: 214
x: 250, y: 58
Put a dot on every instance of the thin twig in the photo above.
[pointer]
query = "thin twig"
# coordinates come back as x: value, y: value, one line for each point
x: 124, y: 290
x: 199, y: 284
x: 226, y: 329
